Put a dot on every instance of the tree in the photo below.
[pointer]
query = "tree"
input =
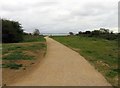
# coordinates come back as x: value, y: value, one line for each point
x: 80, y: 32
x: 104, y: 31
x: 88, y: 32
x: 111, y: 32
x: 96, y: 32
x: 71, y: 33
x: 11, y: 31
x: 36, y: 32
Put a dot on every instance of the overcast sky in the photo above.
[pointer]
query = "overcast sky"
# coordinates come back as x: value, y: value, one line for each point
x: 54, y: 16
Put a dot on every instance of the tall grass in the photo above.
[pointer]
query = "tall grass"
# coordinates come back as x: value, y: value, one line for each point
x: 33, y: 38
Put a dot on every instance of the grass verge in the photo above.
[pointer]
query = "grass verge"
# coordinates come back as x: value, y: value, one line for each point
x: 18, y: 55
x: 101, y: 53
x: 27, y: 50
x: 33, y: 38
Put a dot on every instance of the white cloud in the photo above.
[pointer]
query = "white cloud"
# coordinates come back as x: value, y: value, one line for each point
x: 61, y: 15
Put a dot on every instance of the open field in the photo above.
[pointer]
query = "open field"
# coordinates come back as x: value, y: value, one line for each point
x: 101, y: 53
x: 19, y: 59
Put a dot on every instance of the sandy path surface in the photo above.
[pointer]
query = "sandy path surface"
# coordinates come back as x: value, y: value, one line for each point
x: 63, y: 67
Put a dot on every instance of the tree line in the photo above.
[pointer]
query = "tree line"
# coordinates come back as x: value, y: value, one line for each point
x: 101, y: 33
x: 12, y: 31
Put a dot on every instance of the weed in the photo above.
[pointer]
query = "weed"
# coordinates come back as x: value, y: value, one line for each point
x: 17, y: 56
x: 12, y: 65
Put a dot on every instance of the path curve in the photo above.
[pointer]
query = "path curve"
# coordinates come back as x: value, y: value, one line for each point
x: 63, y: 67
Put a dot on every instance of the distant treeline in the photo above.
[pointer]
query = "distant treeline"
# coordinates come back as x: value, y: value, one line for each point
x: 101, y: 33
x: 12, y: 31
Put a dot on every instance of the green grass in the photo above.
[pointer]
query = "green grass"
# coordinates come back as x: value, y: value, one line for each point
x: 101, y: 53
x: 12, y: 65
x: 33, y: 43
x: 7, y: 48
x: 31, y: 38
x: 17, y: 55
x: 25, y: 50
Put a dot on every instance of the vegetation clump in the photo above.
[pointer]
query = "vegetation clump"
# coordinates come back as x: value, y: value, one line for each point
x: 11, y: 31
x: 12, y: 65
x: 101, y: 33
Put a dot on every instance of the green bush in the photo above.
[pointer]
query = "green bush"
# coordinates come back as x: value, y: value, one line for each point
x: 11, y: 31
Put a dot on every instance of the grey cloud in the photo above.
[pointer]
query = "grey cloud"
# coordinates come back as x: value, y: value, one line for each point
x: 13, y: 8
x: 94, y: 9
x: 46, y: 3
x: 18, y: 6
x: 61, y: 16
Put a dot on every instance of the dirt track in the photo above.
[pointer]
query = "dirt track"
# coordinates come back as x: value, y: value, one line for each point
x: 63, y: 67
